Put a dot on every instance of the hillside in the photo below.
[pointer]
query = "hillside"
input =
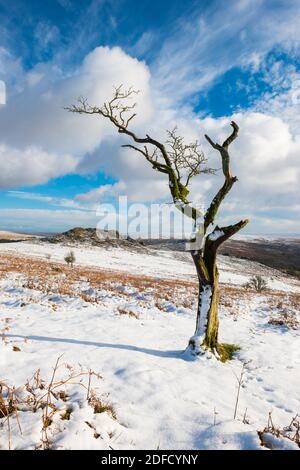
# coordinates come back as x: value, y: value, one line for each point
x: 282, y: 253
x: 6, y: 236
x: 93, y: 237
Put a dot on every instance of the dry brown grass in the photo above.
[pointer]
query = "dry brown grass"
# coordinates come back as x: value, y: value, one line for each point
x: 56, y: 278
x: 288, y: 300
x: 100, y: 405
x: 128, y: 312
x: 284, y: 318
x: 290, y: 433
x: 50, y: 397
x: 12, y: 236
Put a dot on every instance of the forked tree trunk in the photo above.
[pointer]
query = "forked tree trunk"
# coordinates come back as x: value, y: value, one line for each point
x: 207, y: 322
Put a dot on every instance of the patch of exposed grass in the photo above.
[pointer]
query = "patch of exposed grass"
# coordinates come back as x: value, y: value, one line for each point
x: 128, y: 312
x: 66, y: 414
x: 226, y: 351
x: 285, y: 318
x: 101, y: 406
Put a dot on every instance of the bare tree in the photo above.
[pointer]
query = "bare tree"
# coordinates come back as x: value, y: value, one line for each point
x: 181, y: 162
x: 70, y: 258
x: 257, y: 282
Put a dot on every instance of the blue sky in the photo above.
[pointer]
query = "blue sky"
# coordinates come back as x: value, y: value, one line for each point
x: 197, y: 63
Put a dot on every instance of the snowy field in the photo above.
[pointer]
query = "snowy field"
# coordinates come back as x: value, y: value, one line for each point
x: 161, y: 264
x: 118, y: 323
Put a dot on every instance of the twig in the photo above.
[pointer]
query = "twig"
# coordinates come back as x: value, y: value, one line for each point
x: 46, y: 418
x: 245, y: 421
x: 89, y: 385
x: 240, y: 383
x: 215, y: 416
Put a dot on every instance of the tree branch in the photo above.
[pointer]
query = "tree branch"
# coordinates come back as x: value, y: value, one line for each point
x: 232, y: 136
x: 182, y: 157
x: 229, y: 179
x: 226, y: 232
x: 119, y: 112
x: 214, y: 145
x: 188, y: 159
x: 157, y: 165
x: 115, y: 110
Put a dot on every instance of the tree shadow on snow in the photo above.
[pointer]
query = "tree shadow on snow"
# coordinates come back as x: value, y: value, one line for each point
x: 179, y: 354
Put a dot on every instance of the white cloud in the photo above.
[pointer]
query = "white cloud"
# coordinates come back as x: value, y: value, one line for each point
x: 203, y: 47
x: 49, y: 200
x: 2, y: 92
x: 264, y: 158
x: 31, y: 166
x: 44, y: 220
x: 95, y: 196
x: 35, y: 119
x: 45, y: 35
x: 66, y: 4
x: 284, y: 99
x: 36, y: 116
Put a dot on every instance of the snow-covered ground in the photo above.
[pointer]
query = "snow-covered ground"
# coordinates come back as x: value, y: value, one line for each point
x: 155, y: 397
x: 159, y: 263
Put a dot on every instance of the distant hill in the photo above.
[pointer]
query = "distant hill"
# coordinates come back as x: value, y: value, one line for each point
x: 6, y: 236
x: 282, y: 253
x: 94, y: 237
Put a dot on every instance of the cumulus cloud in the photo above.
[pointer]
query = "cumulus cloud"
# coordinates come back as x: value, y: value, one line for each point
x: 2, y: 92
x: 35, y: 118
x: 264, y: 158
x: 264, y: 154
x: 31, y: 166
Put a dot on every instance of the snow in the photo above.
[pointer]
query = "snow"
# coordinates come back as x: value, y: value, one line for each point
x: 187, y: 209
x: 266, y: 238
x: 161, y: 399
x: 157, y: 263
x: 204, y: 309
x: 278, y: 443
x: 216, y: 234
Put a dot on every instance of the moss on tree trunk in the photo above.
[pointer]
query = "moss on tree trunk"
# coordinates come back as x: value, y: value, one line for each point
x: 212, y: 328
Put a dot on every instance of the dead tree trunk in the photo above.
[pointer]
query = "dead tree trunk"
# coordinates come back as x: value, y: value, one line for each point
x: 207, y: 321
